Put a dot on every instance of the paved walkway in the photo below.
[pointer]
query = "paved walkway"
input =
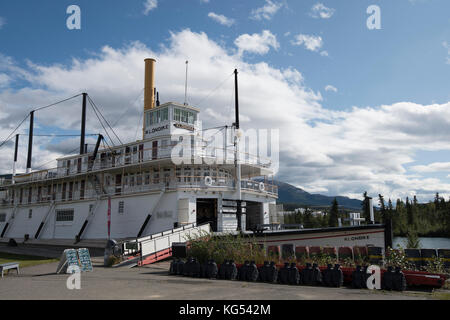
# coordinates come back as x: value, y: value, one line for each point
x: 153, y: 282
x: 45, y: 251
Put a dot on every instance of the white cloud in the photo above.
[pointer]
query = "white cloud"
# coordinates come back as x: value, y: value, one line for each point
x: 256, y: 43
x: 311, y: 43
x: 221, y: 19
x: 4, y: 80
x: 343, y: 152
x: 149, y: 5
x: 331, y: 88
x: 267, y: 11
x: 2, y: 22
x: 320, y: 11
x: 432, y: 167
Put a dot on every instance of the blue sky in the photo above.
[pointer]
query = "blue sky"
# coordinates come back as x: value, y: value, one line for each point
x: 403, y: 60
x: 407, y: 61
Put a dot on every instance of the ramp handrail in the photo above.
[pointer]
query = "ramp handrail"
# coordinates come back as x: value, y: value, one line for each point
x: 163, y: 240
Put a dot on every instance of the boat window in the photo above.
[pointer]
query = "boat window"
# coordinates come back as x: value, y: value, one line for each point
x: 64, y: 215
x: 184, y: 116
x: 165, y: 114
x: 152, y: 118
x: 176, y: 115
x: 138, y: 179
x: 191, y: 117
x: 2, y: 217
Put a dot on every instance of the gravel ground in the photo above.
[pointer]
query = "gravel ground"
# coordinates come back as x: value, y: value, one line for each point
x: 153, y: 282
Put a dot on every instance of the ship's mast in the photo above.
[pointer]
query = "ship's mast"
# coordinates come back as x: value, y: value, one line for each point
x: 236, y: 155
x: 15, y: 157
x: 30, y: 142
x: 83, y: 125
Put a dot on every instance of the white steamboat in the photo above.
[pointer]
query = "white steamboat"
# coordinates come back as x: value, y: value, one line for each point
x: 136, y: 189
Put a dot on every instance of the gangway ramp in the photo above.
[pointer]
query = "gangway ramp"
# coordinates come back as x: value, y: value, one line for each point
x: 158, y: 246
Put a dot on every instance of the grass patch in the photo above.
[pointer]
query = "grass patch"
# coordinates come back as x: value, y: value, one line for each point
x: 23, y: 260
x: 441, y: 295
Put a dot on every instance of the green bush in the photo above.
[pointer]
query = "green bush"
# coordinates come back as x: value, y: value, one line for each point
x: 112, y: 260
x: 204, y: 246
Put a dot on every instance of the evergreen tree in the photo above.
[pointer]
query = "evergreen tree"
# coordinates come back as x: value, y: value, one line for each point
x: 382, y: 207
x: 436, y: 201
x: 334, y: 214
x: 366, y: 207
x: 390, y: 210
x: 308, y: 218
x: 409, y: 214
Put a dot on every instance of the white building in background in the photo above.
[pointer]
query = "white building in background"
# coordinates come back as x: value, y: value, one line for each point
x: 355, y: 218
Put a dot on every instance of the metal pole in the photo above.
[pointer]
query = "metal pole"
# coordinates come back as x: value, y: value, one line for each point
x: 236, y: 156
x: 15, y: 157
x: 83, y: 124
x: 30, y: 141
x: 236, y: 98
x: 185, y: 85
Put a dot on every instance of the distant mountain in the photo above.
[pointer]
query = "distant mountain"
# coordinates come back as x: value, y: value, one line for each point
x: 287, y: 193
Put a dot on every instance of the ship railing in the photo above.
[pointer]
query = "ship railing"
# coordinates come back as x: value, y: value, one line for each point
x: 75, y: 193
x: 5, y: 182
x: 259, y: 186
x: 210, y: 155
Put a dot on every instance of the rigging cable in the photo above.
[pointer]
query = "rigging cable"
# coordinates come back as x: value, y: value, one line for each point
x: 50, y: 105
x: 105, y: 119
x: 126, y: 110
x: 12, y: 133
x: 215, y: 89
x: 70, y: 152
x: 36, y: 109
x: 99, y: 120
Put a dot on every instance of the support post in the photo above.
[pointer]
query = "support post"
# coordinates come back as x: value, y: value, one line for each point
x: 236, y: 155
x: 236, y: 98
x: 15, y: 157
x: 30, y: 141
x: 83, y: 124
x: 388, y: 235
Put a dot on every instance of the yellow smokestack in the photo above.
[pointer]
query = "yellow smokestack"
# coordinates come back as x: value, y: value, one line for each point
x: 149, y: 84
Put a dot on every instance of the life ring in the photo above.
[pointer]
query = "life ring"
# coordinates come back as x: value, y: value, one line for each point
x: 261, y: 186
x: 208, y: 181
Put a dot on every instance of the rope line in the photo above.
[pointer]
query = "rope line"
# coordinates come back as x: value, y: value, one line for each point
x: 36, y: 109
x: 95, y: 106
